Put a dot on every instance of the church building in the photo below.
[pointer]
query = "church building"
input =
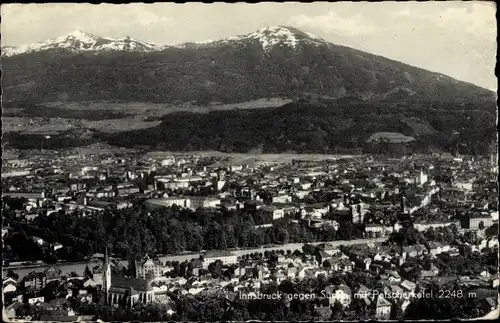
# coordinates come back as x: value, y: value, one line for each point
x: 123, y: 291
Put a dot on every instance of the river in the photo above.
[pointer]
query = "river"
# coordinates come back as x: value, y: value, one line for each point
x: 79, y: 267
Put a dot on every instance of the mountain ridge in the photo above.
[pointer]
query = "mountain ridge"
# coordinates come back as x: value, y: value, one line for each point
x: 342, y: 96
x: 271, y: 62
x: 268, y: 37
x: 80, y: 42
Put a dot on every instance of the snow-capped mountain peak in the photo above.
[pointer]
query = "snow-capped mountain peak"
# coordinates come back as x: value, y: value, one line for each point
x: 268, y: 37
x: 279, y: 35
x: 80, y: 41
x: 272, y: 36
x: 82, y: 36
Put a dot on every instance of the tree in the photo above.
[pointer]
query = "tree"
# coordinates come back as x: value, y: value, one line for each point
x: 481, y: 225
x: 396, y: 311
x: 492, y: 231
x: 309, y: 249
x: 87, y: 272
x: 359, y: 306
x: 215, y: 268
x: 337, y: 310
x: 183, y: 269
x: 431, y: 233
x: 12, y: 275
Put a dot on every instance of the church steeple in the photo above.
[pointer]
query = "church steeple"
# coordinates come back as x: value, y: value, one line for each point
x: 402, y: 201
x: 106, y: 279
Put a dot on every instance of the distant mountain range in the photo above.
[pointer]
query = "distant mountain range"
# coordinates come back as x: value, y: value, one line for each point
x: 79, y: 41
x: 271, y: 62
x: 342, y: 95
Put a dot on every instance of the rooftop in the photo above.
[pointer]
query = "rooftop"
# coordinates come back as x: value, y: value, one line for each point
x: 135, y: 283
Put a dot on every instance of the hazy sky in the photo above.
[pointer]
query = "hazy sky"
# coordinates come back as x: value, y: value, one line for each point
x: 453, y: 38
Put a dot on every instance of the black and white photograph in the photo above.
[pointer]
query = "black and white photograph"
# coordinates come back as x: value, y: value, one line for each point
x: 249, y: 162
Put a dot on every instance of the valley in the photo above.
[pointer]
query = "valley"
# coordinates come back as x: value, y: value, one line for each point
x: 263, y: 162
x: 272, y: 91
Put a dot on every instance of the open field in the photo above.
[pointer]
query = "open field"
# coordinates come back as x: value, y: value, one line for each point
x: 110, y: 116
x: 159, y: 109
x: 99, y: 149
x: 57, y: 125
x: 393, y: 137
x: 32, y: 125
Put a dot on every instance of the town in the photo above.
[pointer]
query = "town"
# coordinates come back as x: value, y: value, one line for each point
x: 157, y: 236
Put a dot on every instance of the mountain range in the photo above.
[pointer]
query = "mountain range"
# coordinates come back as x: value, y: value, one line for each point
x: 272, y: 62
x: 79, y: 41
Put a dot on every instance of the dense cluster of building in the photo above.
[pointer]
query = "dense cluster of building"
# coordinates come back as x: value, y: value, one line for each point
x: 428, y: 191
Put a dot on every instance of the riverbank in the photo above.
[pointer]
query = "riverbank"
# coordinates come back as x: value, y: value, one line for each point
x: 79, y: 267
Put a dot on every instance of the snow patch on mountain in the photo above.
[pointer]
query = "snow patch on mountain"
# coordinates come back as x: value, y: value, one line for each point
x: 272, y: 36
x: 283, y: 36
x: 208, y: 41
x: 268, y: 37
x: 81, y: 36
x: 79, y: 41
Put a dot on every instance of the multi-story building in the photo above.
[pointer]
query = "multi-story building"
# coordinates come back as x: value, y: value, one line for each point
x: 423, y: 226
x: 35, y: 280
x: 147, y: 268
x: 282, y: 199
x: 190, y: 202
x: 358, y: 212
x: 382, y: 308
x: 466, y: 186
x: 125, y: 291
x: 273, y: 212
x: 227, y: 257
x: 52, y: 273
x: 480, y: 222
x: 476, y: 222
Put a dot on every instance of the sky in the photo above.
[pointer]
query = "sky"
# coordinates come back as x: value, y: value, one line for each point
x: 451, y: 37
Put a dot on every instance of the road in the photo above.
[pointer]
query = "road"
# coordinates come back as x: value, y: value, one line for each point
x: 79, y: 267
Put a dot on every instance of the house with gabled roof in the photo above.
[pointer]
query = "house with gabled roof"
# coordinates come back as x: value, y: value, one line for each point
x: 427, y: 274
x: 394, y: 276
x: 434, y: 248
x: 346, y: 265
x: 408, y: 286
x: 9, y: 285
x: 382, y: 308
